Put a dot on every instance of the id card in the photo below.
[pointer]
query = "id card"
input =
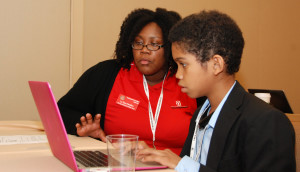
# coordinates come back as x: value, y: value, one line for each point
x: 127, y: 102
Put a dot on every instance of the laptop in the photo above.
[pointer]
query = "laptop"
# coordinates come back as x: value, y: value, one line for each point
x: 278, y: 99
x: 82, y: 160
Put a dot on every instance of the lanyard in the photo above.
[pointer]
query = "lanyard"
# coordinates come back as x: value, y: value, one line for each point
x: 192, y: 153
x: 216, y: 115
x: 153, y: 121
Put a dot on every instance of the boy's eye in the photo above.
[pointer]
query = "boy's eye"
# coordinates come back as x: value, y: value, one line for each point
x: 183, y: 64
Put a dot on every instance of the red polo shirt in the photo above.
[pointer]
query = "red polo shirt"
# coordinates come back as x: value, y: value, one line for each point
x: 127, y: 110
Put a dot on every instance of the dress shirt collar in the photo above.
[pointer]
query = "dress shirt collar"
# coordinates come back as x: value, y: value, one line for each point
x: 215, y: 115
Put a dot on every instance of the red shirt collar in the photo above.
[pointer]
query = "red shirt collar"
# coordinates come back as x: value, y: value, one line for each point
x: 136, y: 76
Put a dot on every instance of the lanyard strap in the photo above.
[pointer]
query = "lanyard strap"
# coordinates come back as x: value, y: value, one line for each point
x: 192, y: 152
x: 153, y: 121
x: 216, y: 115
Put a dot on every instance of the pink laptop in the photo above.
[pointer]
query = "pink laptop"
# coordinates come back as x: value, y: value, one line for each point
x: 57, y: 136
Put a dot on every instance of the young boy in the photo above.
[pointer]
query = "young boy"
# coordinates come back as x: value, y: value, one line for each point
x: 240, y: 132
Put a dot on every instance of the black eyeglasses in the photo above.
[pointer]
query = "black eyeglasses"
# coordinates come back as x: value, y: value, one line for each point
x: 151, y: 47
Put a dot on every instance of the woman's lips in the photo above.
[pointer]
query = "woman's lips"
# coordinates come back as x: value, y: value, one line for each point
x: 144, y: 62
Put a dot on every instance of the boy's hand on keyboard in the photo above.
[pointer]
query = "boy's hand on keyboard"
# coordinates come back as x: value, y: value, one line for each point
x: 142, y: 145
x: 164, y: 157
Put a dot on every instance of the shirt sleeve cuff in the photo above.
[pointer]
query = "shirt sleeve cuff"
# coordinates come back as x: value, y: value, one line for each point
x: 187, y: 164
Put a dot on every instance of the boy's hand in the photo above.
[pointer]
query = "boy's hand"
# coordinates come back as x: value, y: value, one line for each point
x: 165, y: 157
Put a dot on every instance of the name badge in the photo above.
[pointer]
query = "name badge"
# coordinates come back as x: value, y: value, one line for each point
x: 127, y: 102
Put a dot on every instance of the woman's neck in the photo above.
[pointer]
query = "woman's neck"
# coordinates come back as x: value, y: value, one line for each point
x: 155, y: 78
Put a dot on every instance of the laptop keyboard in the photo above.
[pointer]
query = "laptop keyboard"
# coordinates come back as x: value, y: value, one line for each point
x: 91, y: 158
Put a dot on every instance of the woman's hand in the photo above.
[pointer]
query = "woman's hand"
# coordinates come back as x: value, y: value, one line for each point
x: 91, y: 127
x: 165, y: 157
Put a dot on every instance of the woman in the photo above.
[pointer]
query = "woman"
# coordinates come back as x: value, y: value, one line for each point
x: 135, y: 93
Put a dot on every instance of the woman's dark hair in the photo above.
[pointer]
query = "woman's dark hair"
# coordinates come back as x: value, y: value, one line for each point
x: 134, y: 23
x: 210, y: 33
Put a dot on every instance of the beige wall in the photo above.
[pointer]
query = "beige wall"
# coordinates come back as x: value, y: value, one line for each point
x: 56, y: 40
x: 34, y: 45
x: 271, y: 30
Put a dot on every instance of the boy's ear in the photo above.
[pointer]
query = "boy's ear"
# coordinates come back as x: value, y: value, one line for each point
x: 218, y: 64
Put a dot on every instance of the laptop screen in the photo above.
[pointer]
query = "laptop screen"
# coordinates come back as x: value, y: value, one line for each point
x: 278, y: 99
x: 56, y: 133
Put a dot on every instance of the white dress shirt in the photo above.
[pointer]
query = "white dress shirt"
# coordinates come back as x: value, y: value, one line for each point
x: 188, y: 164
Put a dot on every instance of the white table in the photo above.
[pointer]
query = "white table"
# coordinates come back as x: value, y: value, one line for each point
x: 37, y: 157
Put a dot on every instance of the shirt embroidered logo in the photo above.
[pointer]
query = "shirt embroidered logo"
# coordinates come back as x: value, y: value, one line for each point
x: 178, y: 105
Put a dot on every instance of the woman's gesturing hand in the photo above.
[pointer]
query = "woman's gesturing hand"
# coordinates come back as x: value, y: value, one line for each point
x: 91, y: 127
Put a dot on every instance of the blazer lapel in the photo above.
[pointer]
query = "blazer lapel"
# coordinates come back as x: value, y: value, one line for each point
x: 226, y: 119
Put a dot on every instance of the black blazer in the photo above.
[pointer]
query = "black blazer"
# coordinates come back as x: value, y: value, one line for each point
x: 249, y: 136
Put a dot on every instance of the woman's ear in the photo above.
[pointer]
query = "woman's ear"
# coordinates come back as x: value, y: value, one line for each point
x: 218, y: 64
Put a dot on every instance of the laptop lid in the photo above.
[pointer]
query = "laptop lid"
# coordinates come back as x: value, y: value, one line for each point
x: 278, y: 99
x: 55, y: 129
x: 53, y: 124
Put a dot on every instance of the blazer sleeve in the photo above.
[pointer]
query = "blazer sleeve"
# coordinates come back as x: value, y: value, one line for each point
x: 266, y: 143
x: 270, y: 144
x: 88, y: 95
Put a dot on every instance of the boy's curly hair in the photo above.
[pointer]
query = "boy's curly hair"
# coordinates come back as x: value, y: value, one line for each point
x: 210, y: 33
